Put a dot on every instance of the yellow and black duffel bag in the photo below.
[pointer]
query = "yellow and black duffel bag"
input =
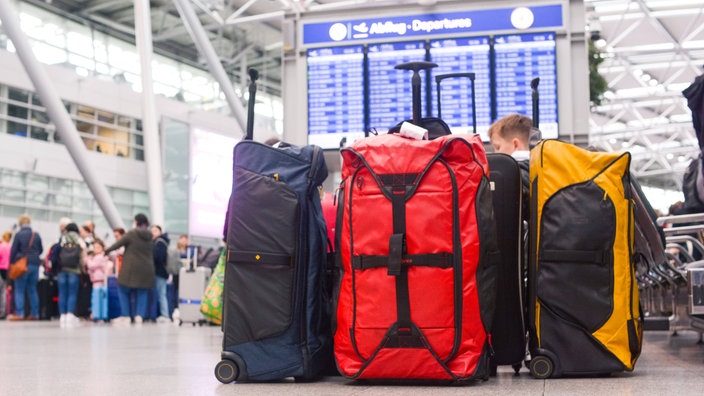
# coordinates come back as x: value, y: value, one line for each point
x: 583, y: 297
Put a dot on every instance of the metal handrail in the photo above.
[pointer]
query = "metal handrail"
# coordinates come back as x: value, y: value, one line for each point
x: 679, y: 219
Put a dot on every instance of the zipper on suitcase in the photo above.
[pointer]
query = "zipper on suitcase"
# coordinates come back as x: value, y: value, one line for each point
x: 457, y: 265
x: 352, y: 273
x: 338, y: 253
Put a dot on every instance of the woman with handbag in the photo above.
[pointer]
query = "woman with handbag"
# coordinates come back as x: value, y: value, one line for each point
x: 26, y: 245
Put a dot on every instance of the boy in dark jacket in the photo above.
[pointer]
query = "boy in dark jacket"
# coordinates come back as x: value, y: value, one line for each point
x: 511, y: 135
x: 161, y: 245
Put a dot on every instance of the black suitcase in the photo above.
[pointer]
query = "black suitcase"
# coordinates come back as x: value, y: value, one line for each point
x: 508, y: 331
x: 48, y: 291
x: 85, y: 289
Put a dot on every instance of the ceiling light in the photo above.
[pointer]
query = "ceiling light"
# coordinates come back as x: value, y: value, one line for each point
x: 681, y: 158
x: 637, y: 72
x: 670, y: 156
x: 653, y: 82
x: 693, y: 44
x: 613, y: 140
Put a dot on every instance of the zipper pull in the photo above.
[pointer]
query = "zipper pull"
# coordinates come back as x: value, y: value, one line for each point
x: 276, y: 176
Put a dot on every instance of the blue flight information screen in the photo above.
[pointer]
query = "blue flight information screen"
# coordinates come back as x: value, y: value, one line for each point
x: 519, y: 59
x: 335, y: 95
x: 390, y: 91
x: 463, y: 55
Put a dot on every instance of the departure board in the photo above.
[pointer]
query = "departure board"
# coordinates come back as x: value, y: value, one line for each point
x: 519, y: 59
x: 463, y: 55
x: 335, y: 95
x: 390, y: 99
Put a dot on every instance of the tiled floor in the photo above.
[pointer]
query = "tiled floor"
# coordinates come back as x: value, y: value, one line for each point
x: 39, y: 358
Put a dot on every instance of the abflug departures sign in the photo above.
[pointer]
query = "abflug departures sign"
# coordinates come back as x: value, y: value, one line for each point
x: 535, y: 17
x: 352, y: 86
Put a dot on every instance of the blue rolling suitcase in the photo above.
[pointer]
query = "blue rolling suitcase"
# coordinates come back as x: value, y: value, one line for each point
x: 276, y: 316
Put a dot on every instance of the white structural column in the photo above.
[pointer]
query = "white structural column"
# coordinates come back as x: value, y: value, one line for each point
x: 573, y: 81
x: 57, y: 113
x: 205, y: 47
x: 150, y: 126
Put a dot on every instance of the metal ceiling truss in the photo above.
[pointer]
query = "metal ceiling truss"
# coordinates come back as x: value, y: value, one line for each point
x: 647, y: 64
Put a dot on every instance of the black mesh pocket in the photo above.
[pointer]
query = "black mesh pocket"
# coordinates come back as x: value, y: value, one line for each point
x: 575, y: 272
x: 262, y: 235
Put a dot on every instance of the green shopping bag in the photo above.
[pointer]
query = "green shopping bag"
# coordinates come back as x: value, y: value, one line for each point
x: 211, y: 307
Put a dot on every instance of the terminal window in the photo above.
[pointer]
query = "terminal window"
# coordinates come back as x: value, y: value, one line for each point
x: 22, y: 114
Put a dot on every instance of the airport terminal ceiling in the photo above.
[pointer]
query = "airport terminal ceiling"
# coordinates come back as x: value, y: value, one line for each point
x: 652, y: 50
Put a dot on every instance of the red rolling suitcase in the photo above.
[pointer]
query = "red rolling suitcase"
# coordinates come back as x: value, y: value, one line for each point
x: 416, y: 248
x: 418, y: 257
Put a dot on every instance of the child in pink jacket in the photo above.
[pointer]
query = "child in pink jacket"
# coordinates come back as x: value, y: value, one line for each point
x: 99, y: 266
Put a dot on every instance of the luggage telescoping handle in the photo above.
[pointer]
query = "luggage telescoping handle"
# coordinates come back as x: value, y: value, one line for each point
x: 471, y: 77
x: 534, y: 96
x: 416, y: 84
x: 192, y: 251
x: 253, y: 76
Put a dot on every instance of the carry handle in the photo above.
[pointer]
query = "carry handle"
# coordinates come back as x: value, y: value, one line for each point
x: 471, y: 76
x: 253, y: 76
x: 534, y: 96
x: 416, y: 84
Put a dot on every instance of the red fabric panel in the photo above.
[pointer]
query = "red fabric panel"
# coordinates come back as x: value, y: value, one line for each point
x: 330, y: 213
x: 405, y: 363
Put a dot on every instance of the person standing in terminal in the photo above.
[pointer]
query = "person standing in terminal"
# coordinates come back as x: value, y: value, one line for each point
x: 511, y: 135
x: 5, y: 249
x: 116, y: 256
x: 98, y: 266
x: 26, y: 243
x: 88, y: 237
x: 161, y: 246
x: 69, y: 273
x: 182, y: 246
x: 137, y: 272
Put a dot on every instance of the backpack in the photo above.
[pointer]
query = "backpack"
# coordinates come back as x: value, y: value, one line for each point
x: 209, y: 257
x: 70, y: 255
x: 173, y: 258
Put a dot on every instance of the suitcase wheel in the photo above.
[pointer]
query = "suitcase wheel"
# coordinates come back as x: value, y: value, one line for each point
x: 541, y: 367
x: 226, y: 371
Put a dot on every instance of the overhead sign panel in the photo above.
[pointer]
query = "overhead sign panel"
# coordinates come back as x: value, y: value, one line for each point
x: 519, y: 59
x: 335, y: 95
x: 390, y: 89
x: 533, y: 17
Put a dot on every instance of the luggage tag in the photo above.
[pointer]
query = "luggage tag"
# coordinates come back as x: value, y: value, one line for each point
x: 413, y: 131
